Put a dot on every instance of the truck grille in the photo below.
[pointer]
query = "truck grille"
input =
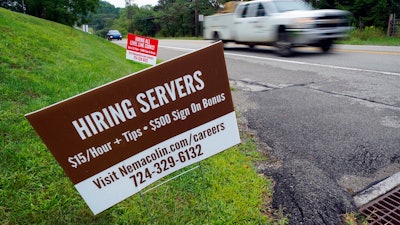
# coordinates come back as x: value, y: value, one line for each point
x: 332, y: 21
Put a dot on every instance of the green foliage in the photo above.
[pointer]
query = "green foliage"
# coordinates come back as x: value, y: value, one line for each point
x: 167, y: 19
x: 41, y: 63
x: 365, y: 12
x: 61, y: 11
x: 217, y: 192
x: 103, y: 19
x: 354, y: 219
x: 123, y: 23
x: 143, y: 21
x: 377, y: 13
x: 12, y: 5
x: 137, y: 20
x: 370, y: 36
x: 368, y: 33
x: 176, y: 18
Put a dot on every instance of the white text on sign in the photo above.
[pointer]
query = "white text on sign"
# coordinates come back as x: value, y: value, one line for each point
x: 113, y: 115
x: 152, y: 125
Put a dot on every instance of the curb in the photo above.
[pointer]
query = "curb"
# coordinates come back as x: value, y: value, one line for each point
x: 377, y: 190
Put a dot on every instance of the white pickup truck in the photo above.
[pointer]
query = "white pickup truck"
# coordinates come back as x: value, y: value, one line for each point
x: 282, y: 23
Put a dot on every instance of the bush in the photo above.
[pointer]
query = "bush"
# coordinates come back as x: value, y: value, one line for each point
x: 368, y: 33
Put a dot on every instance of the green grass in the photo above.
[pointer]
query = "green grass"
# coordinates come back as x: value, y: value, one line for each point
x: 354, y: 219
x: 224, y: 190
x: 42, y: 63
x: 370, y: 36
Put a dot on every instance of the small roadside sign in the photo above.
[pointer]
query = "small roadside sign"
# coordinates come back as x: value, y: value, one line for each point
x: 117, y: 139
x: 142, y: 49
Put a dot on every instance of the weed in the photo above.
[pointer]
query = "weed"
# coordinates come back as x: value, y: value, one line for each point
x: 370, y: 36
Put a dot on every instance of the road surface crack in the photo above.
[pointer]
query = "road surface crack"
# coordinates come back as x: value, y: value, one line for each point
x: 355, y: 97
x: 250, y: 85
x: 255, y: 86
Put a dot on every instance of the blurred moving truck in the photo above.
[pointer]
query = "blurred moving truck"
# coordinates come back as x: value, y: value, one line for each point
x: 281, y: 23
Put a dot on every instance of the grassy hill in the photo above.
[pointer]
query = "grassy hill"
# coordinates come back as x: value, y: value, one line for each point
x: 41, y: 63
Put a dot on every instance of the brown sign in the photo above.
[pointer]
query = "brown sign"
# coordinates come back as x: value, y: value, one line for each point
x: 102, y: 128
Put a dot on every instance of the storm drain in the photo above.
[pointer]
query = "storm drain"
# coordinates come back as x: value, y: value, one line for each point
x: 384, y: 210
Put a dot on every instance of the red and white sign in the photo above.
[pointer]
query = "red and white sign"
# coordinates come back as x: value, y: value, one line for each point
x: 142, y: 49
x: 117, y: 139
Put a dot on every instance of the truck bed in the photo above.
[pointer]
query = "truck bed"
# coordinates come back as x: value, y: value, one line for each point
x: 221, y: 22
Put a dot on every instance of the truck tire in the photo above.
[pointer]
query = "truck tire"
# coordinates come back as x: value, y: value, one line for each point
x: 326, y: 45
x: 283, y: 45
x: 216, y: 37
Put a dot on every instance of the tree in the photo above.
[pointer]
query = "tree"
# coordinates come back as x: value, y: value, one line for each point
x: 105, y: 17
x: 374, y: 12
x: 124, y: 23
x: 322, y: 4
x: 177, y: 17
x: 169, y: 13
x: 69, y: 12
x: 13, y: 5
x: 143, y: 21
x: 365, y: 12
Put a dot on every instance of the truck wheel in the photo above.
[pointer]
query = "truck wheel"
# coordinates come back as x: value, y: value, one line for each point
x: 326, y: 46
x: 216, y: 37
x: 283, y: 44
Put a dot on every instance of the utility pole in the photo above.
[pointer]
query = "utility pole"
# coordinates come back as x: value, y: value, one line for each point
x: 128, y: 6
x: 196, y: 17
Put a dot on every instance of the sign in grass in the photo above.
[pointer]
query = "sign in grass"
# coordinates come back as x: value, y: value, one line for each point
x: 142, y: 49
x: 116, y: 139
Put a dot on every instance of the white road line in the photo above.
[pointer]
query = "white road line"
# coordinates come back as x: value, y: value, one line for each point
x: 294, y: 62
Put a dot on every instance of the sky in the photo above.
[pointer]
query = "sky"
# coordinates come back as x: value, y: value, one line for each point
x: 121, y: 3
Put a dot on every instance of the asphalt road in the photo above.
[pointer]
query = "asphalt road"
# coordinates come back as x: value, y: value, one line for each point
x: 329, y: 122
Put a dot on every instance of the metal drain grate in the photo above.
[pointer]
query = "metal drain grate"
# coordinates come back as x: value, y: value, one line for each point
x: 384, y: 210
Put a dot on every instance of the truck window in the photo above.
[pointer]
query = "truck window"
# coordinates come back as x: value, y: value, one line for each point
x: 252, y: 10
x: 239, y: 10
x: 244, y: 13
x: 260, y: 10
x: 291, y: 5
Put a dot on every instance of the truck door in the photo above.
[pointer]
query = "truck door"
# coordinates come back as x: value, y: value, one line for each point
x: 252, y: 23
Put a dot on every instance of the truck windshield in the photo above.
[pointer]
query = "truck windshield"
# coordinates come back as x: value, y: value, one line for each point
x: 292, y: 5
